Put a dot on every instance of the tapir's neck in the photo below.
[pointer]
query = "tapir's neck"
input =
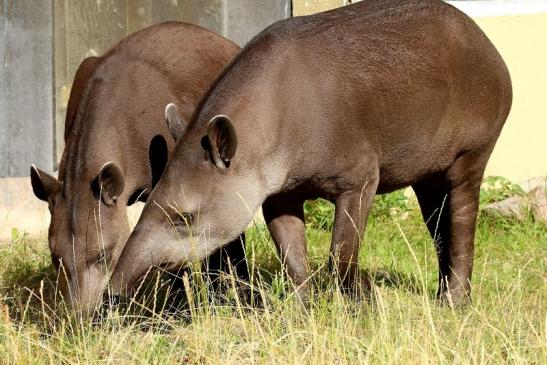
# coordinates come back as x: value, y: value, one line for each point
x: 253, y: 110
x: 108, y: 130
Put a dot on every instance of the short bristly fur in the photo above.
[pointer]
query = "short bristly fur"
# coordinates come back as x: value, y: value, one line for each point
x: 115, y: 110
x: 344, y: 104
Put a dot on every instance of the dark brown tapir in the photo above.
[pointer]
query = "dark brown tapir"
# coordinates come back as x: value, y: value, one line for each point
x: 115, y: 110
x: 346, y: 104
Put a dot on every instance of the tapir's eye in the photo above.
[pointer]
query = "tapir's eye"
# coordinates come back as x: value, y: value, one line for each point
x: 184, y: 220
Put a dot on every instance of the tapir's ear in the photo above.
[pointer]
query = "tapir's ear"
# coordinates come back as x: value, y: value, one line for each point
x: 174, y: 121
x: 222, y: 141
x: 43, y: 184
x: 158, y: 154
x: 109, y: 183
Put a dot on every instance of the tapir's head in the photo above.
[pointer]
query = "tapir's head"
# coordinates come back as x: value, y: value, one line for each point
x: 205, y: 198
x: 89, y: 220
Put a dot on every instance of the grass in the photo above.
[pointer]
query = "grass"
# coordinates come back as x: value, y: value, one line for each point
x: 506, y: 323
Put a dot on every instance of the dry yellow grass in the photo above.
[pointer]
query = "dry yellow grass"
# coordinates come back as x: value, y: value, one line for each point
x: 506, y: 323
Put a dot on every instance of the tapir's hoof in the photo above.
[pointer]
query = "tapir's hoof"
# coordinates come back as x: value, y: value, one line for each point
x: 252, y: 299
x: 303, y: 296
x: 455, y: 299
x: 358, y: 288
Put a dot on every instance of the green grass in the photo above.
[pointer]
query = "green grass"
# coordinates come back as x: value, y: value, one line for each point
x: 506, y: 322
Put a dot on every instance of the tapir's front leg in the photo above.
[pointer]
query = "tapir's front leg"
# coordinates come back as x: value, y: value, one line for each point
x: 351, y: 214
x: 285, y: 219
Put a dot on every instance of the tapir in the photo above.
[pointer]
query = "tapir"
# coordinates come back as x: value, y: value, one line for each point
x: 345, y: 104
x: 114, y: 124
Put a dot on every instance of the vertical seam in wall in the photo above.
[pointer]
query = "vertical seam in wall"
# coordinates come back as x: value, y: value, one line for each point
x: 225, y: 18
x: 66, y: 70
x: 127, y: 17
x: 3, y: 86
x: 53, y: 89
x: 65, y: 18
x: 291, y: 11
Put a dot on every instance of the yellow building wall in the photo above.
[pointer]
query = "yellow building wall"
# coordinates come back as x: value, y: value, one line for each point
x: 521, y: 151
x: 305, y: 7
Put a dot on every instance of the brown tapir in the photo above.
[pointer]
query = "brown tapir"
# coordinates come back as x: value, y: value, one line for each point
x: 115, y: 110
x: 346, y: 104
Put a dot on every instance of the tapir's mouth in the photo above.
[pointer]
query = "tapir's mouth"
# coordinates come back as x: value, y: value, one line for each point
x: 170, y: 266
x: 132, y: 286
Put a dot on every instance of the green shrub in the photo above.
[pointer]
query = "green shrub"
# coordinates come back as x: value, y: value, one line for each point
x: 386, y: 205
x: 319, y: 213
x: 497, y: 188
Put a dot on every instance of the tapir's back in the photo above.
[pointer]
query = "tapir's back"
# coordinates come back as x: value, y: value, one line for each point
x: 176, y: 59
x: 185, y: 54
x: 131, y: 84
x: 412, y: 78
x: 403, y: 50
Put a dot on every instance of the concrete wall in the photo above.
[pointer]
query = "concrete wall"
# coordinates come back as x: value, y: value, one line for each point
x: 246, y: 18
x: 518, y: 30
x: 26, y: 82
x: 306, y: 7
x: 44, y: 41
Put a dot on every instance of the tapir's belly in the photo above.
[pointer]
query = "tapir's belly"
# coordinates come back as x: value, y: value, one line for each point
x: 409, y: 171
x: 421, y: 149
x: 424, y: 134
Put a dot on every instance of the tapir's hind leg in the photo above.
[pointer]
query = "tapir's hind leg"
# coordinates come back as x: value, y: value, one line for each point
x: 285, y: 220
x: 449, y: 204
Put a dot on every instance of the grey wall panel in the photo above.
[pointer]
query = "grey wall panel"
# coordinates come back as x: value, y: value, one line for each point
x: 206, y: 13
x: 27, y: 110
x: 93, y: 27
x: 83, y: 28
x: 138, y: 14
x: 32, y: 86
x: 3, y: 122
x: 247, y: 18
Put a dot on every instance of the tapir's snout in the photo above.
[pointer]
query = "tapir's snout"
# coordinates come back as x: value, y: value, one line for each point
x: 139, y: 255
x: 83, y: 294
x: 110, y: 302
x: 150, y: 245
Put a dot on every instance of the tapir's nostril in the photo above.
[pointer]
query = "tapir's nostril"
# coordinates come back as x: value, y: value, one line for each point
x: 110, y: 302
x: 115, y: 300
